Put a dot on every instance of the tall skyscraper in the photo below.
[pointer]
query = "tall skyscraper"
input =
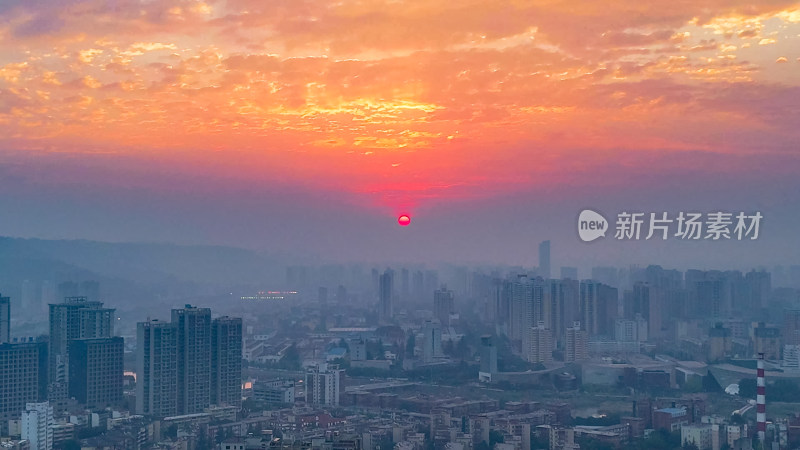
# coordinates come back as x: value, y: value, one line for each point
x: 156, y: 369
x: 324, y: 385
x: 23, y: 378
x: 226, y: 361
x: 405, y: 285
x: 431, y: 282
x: 501, y: 297
x: 96, y: 371
x: 431, y: 340
x: 539, y: 344
x: 194, y: 358
x: 577, y: 343
x: 488, y: 359
x: 184, y: 366
x: 791, y: 327
x: 37, y: 425
x: 385, y: 292
x: 527, y: 306
x: 75, y: 318
x: 569, y: 272
x: 443, y: 305
x: 418, y: 285
x: 598, y: 308
x: 647, y: 302
x: 561, y: 307
x: 760, y: 287
x: 544, y: 259
x: 5, y: 319
x: 589, y: 307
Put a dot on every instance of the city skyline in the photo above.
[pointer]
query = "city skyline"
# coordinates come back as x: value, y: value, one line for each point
x: 399, y: 224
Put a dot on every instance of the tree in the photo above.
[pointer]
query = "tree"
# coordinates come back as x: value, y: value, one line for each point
x: 689, y: 445
x: 202, y: 440
x: 495, y: 437
x: 411, y: 343
x: 291, y: 359
x: 587, y: 443
x: 172, y: 431
x: 693, y: 384
x: 747, y: 388
x: 462, y: 349
x: 70, y: 444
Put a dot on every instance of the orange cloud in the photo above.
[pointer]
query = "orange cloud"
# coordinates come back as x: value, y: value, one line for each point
x: 381, y: 90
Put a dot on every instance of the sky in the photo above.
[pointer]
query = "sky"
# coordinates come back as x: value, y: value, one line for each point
x: 307, y: 127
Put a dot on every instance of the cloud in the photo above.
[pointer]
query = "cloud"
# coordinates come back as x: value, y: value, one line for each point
x: 364, y: 86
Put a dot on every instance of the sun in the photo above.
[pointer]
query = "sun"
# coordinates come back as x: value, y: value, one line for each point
x: 404, y: 220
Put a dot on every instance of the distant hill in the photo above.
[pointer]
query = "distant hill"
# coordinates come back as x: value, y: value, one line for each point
x: 140, y: 262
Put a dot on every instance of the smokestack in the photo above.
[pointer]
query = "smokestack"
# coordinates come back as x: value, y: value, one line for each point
x: 761, y: 405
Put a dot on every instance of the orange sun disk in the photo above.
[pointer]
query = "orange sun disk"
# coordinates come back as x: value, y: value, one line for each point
x: 404, y: 220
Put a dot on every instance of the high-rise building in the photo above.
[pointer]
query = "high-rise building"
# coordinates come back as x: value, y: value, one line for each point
x: 488, y: 359
x: 443, y: 305
x: 540, y: 344
x: 589, y: 307
x: 606, y: 275
x: 405, y: 286
x: 760, y: 287
x: 37, y: 425
x: 767, y: 341
x: 23, y: 378
x: 647, y: 302
x: 156, y: 369
x: 576, y: 344
x: 194, y: 358
x: 527, y: 306
x: 561, y: 307
x: 431, y: 282
x: 544, y: 259
x: 184, y: 366
x: 75, y: 318
x: 431, y: 340
x: 791, y: 357
x: 569, y: 272
x: 96, y: 371
x: 5, y: 319
x: 719, y: 342
x: 324, y: 385
x: 598, y: 307
x: 385, y: 294
x: 791, y: 327
x: 631, y: 330
x: 226, y: 361
x: 418, y: 285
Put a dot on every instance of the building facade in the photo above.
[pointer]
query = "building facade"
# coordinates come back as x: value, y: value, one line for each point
x: 226, y: 361
x: 96, y: 371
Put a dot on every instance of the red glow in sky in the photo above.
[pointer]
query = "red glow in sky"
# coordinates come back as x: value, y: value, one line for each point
x: 481, y: 100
